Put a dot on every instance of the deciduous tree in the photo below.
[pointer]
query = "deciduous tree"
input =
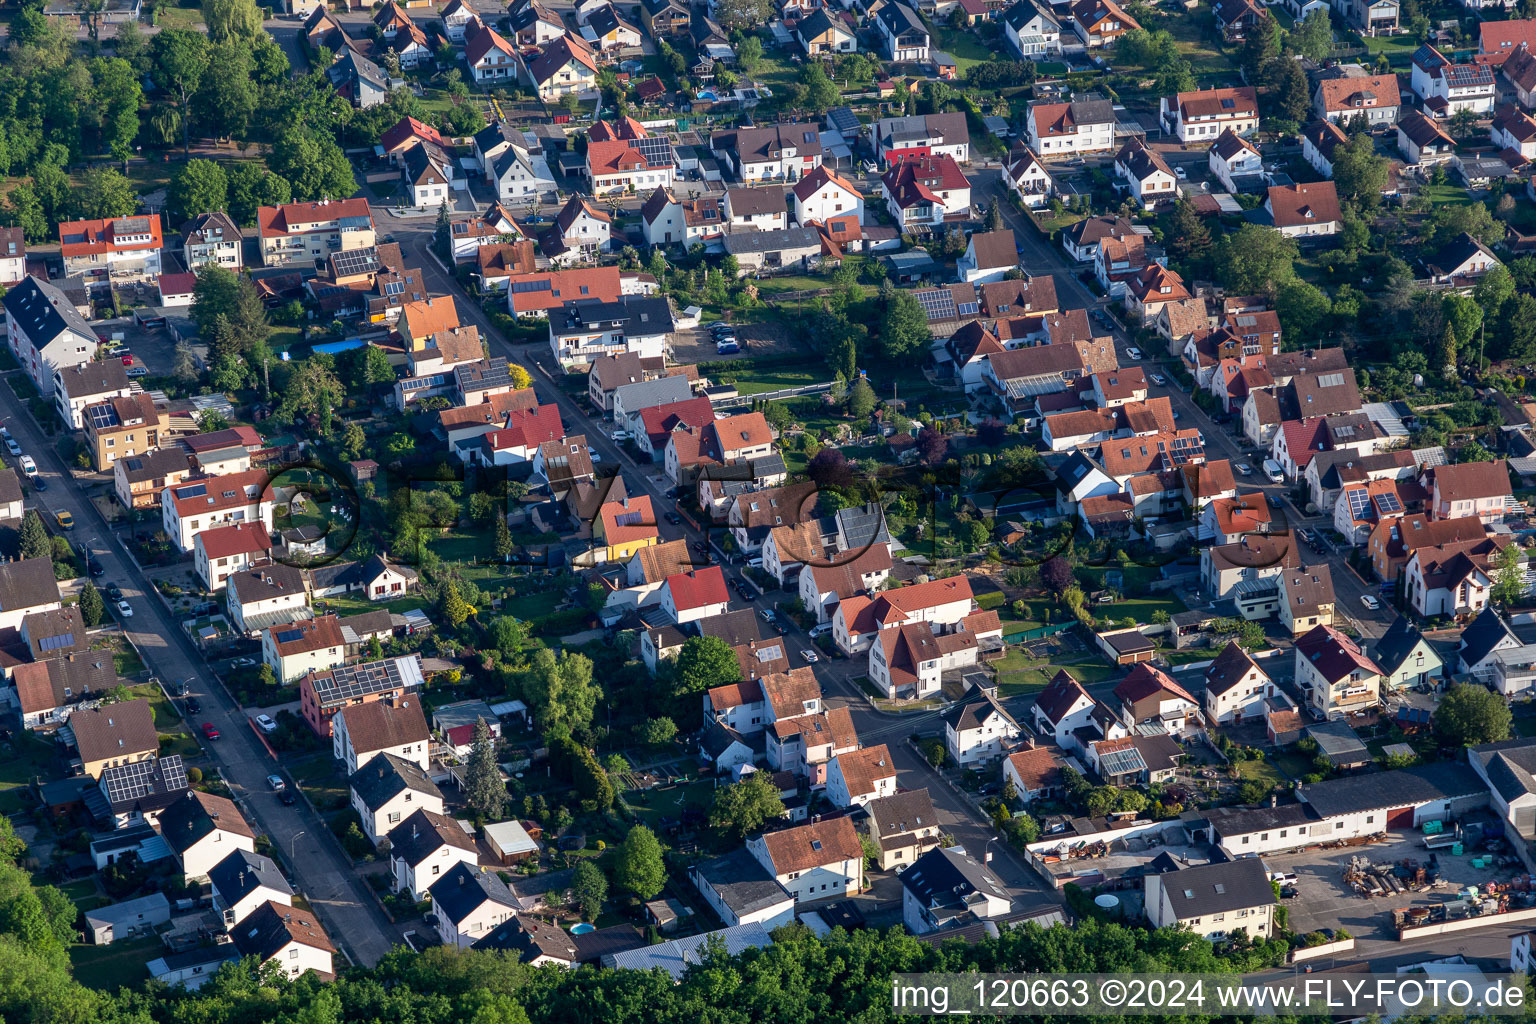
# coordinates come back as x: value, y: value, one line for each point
x: 639, y: 867
x: 745, y: 807
x: 1470, y: 714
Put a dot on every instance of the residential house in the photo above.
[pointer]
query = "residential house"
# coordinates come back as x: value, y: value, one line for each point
x: 490, y: 57
x: 1236, y: 687
x: 989, y: 255
x: 122, y: 249
x: 1033, y: 30
x: 361, y: 732
x: 696, y: 594
x: 425, y: 847
x: 1304, y: 211
x: 775, y: 152
x: 818, y: 861
x: 45, y: 331
x: 244, y: 882
x: 948, y: 888
x: 189, y: 508
x: 209, y: 238
x: 1100, y: 22
x: 289, y: 937
x: 938, y: 134
x: 1320, y: 141
x: 1372, y: 97
x: 123, y: 427
x: 1446, y: 88
x: 1027, y: 177
x: 756, y: 209
x: 1214, y: 901
x: 263, y: 596
x: 822, y: 32
x: 742, y: 891
x: 563, y: 66
x: 1306, y: 598
x: 1035, y: 774
x: 857, y: 777
x: 470, y: 903
x: 1237, y: 163
x: 667, y: 220
x: 1202, y: 116
x: 299, y: 233
x: 1334, y: 674
x: 1147, y: 694
x: 1461, y: 262
x: 903, y: 35
x: 221, y: 552
x: 978, y: 731
x: 47, y: 691
x: 296, y: 649
x: 387, y: 790
x: 587, y: 328
x: 1479, y: 489
x: 1453, y: 579
x: 903, y: 826
x: 1146, y: 174
x: 323, y: 693
x: 1062, y: 130
x: 202, y: 829
x: 1423, y: 142
x: 1407, y: 659
x: 924, y: 192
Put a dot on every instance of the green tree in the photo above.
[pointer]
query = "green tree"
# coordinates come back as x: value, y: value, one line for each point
x: 1313, y: 38
x: 589, y: 888
x: 559, y: 691
x: 251, y: 186
x: 820, y: 94
x: 1493, y: 289
x: 26, y: 212
x: 1302, y: 308
x: 237, y: 20
x: 227, y: 97
x: 198, y: 186
x: 1464, y: 316
x: 1469, y: 715
x: 92, y: 608
x: 903, y: 327
x: 178, y: 60
x: 312, y: 164
x: 749, y: 54
x: 483, y: 787
x: 502, y: 544
x: 1509, y: 585
x: 658, y: 732
x: 639, y: 867
x: 1359, y: 172
x: 442, y: 237
x: 1255, y: 259
x: 453, y: 608
x: 747, y: 15
x: 116, y: 98
x: 861, y: 400
x: 105, y: 194
x: 745, y: 807
x: 1288, y: 95
x: 1187, y: 236
x: 704, y: 663
x: 1260, y: 46
x: 508, y: 635
x: 34, y: 537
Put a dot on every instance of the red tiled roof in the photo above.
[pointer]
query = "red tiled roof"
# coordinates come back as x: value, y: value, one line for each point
x: 629, y: 520
x: 98, y: 237
x: 698, y: 588
x: 239, y: 539
x: 584, y: 283
x: 275, y: 221
x: 527, y: 428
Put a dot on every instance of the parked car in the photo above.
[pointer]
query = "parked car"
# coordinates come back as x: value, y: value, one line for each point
x: 266, y: 723
x: 1158, y: 379
x: 288, y: 797
x: 97, y: 570
x: 810, y: 656
x: 1133, y: 352
x: 1243, y: 469
x: 38, y: 483
x: 194, y: 706
x: 619, y: 436
x: 12, y: 447
x: 674, y: 518
x: 277, y: 783
x: 125, y: 609
x: 28, y: 466
x: 209, y: 731
x: 113, y: 592
x: 1370, y: 601
x: 66, y: 521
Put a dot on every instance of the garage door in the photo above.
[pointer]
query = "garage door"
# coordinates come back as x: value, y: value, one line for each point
x: 1400, y: 818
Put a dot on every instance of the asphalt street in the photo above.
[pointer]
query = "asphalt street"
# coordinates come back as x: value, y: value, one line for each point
x: 317, y: 868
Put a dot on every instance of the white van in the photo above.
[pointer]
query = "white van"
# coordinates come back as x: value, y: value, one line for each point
x: 821, y: 630
x: 28, y: 466
x: 1273, y: 471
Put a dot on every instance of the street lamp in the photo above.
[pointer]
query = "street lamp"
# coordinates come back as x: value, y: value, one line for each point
x: 292, y: 844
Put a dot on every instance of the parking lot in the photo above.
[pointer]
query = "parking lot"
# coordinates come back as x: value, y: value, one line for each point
x: 152, y: 346
x: 1325, y: 900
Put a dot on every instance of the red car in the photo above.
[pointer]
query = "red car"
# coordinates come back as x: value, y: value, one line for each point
x: 210, y: 731
x: 127, y: 360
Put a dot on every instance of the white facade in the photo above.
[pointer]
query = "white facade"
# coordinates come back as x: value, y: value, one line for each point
x: 342, y: 748
x: 377, y: 823
x: 197, y: 859
x: 834, y: 878
x: 418, y: 878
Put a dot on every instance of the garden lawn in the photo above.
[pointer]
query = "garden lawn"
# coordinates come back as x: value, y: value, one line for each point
x: 1142, y: 609
x: 1018, y: 673
x: 119, y: 965
x: 1291, y: 763
x: 1263, y: 771
x: 964, y: 46
x: 1440, y: 195
x: 669, y: 802
x: 1399, y: 49
x: 355, y: 604
x: 757, y: 382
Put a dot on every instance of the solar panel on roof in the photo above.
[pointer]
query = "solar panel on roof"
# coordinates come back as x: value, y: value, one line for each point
x: 288, y: 636
x: 968, y: 308
x: 938, y: 304
x: 531, y: 286
x: 54, y: 643
x: 394, y: 287
x: 174, y: 772
x: 656, y: 150
x: 193, y: 491
x: 356, y: 261
x: 1387, y: 502
x: 1358, y: 500
x: 353, y: 681
x: 102, y: 416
